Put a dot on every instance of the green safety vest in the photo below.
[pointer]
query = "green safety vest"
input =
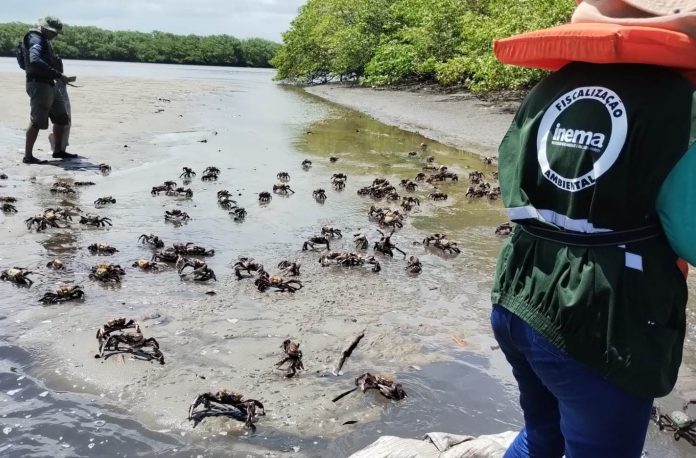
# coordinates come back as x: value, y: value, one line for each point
x: 587, y: 266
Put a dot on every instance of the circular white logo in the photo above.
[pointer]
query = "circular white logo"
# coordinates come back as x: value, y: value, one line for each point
x: 552, y: 132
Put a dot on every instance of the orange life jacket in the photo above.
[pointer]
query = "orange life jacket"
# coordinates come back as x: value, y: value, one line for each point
x: 601, y: 43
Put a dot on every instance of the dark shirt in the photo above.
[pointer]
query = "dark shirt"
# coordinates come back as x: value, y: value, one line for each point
x: 42, y: 59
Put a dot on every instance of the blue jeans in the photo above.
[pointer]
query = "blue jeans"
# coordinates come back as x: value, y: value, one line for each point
x: 567, y: 407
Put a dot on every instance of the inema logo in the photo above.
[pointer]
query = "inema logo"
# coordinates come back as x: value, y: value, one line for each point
x: 576, y: 138
x: 554, y: 139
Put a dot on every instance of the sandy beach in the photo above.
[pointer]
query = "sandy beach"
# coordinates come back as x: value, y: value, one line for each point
x: 460, y: 120
x: 431, y: 332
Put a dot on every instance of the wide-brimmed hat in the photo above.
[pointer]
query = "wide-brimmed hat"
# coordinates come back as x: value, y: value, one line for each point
x: 51, y: 23
x: 676, y: 15
x: 664, y: 7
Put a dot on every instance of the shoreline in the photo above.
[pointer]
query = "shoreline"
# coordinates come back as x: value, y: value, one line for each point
x: 442, y: 117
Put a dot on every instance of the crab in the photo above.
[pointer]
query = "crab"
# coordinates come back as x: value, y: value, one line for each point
x: 95, y: 220
x: 495, y: 175
x: 348, y: 259
x: 9, y: 199
x: 438, y: 196
x: 442, y: 176
x: 209, y: 177
x: 265, y: 281
x: 167, y: 255
x: 226, y: 202
x: 223, y: 193
x: 333, y: 159
x: 166, y: 187
x: 84, y: 183
x: 105, y: 169
x: 48, y: 218
x: 113, y: 325
x: 386, y: 216
x: 63, y: 294
x: 283, y: 176
x: 338, y: 183
x: 293, y: 355
x: 247, y: 265
x: 441, y: 242
x: 55, y: 264
x: 62, y: 188
x: 212, y: 170
x: 265, y: 197
x: 409, y: 202
x: 176, y: 216
x: 360, y: 241
x: 678, y: 422
x: 100, y: 248
x: 385, y: 245
x: 180, y: 191
x: 331, y: 232
x: 184, y: 262
x: 148, y: 266
x: 414, y: 265
x: 284, y: 189
x: 3, y: 176
x: 319, y: 194
x: 311, y: 242
x: 291, y: 269
x: 187, y: 173
x: 247, y: 407
x: 41, y: 223
x: 18, y: 276
x: 420, y: 177
x: 504, y: 229
x: 488, y: 160
x: 107, y: 273
x: 189, y: 249
x: 306, y: 164
x: 152, y: 240
x: 476, y: 177
x: 238, y: 213
x: 201, y: 274
x: 387, y: 388
x: 8, y: 208
x: 102, y: 201
x: 494, y: 194
x: 409, y: 185
x: 135, y: 341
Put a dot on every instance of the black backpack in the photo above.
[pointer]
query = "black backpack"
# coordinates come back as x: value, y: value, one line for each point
x: 21, y: 58
x: 21, y: 54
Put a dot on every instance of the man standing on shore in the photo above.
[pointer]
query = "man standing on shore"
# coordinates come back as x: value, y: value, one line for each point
x: 42, y: 70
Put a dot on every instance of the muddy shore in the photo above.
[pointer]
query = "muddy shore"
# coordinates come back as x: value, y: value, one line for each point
x: 460, y: 120
x: 430, y: 332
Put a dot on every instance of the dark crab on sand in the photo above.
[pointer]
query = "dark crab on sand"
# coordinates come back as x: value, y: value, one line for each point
x: 17, y: 275
x: 293, y: 355
x: 226, y: 400
x: 63, y: 294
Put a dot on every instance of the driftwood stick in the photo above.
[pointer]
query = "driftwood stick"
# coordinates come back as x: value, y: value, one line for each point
x: 347, y: 352
x: 342, y: 395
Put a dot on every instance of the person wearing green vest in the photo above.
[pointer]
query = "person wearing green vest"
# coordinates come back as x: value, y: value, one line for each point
x: 598, y: 170
x: 43, y: 68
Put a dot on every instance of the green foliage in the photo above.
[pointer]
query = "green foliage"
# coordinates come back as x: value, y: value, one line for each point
x: 92, y: 43
x: 384, y: 42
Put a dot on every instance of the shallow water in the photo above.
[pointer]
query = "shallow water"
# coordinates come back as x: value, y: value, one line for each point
x: 431, y: 332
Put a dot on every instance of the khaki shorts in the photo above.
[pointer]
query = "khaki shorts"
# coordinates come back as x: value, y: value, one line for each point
x: 46, y: 102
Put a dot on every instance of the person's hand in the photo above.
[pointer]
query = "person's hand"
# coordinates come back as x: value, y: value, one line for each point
x: 68, y: 79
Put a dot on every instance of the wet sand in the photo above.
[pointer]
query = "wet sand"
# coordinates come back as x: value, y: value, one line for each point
x: 431, y: 332
x: 460, y: 120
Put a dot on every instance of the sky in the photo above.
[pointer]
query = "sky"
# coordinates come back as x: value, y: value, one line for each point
x: 240, y: 18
